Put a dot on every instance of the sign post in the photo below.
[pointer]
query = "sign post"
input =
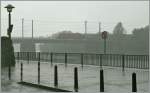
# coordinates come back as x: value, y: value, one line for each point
x: 104, y: 36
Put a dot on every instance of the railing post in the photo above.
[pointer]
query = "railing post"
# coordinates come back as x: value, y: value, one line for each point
x: 101, y: 61
x: 28, y: 57
x: 47, y: 57
x: 18, y: 56
x: 76, y: 79
x: 51, y: 59
x: 123, y: 60
x: 39, y: 70
x: 148, y: 62
x: 65, y: 59
x: 134, y: 87
x: 82, y: 61
x: 21, y: 74
x: 101, y: 81
x: 55, y: 76
x: 9, y: 71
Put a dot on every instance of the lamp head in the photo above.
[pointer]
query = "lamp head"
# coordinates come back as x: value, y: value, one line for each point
x: 9, y: 7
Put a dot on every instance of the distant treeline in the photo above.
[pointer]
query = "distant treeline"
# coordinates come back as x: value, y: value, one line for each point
x: 117, y: 43
x: 118, y: 30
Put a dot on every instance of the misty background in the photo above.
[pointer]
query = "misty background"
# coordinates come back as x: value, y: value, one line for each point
x: 126, y: 21
x: 54, y: 16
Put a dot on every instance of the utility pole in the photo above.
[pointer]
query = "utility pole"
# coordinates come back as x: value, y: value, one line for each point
x: 32, y: 29
x: 99, y: 27
x: 85, y: 29
x: 22, y: 27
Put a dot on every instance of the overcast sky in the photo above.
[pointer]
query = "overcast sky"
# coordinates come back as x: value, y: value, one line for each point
x: 55, y: 16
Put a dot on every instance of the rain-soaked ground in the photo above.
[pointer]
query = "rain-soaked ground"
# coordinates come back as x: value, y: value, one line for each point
x: 114, y: 79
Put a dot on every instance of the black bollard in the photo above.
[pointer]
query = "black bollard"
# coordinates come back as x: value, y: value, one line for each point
x: 38, y: 72
x: 134, y: 87
x: 51, y: 59
x: 21, y: 74
x: 76, y: 79
x: 9, y: 71
x: 55, y: 76
x: 123, y: 59
x: 65, y: 59
x: 39, y: 68
x: 82, y: 61
x: 101, y: 81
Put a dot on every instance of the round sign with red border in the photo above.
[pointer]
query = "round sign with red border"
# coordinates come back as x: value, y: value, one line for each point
x: 104, y: 34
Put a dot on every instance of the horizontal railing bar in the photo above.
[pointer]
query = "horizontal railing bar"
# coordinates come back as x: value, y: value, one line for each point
x: 81, y: 53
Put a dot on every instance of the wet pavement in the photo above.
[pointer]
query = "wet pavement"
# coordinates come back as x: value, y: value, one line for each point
x: 114, y: 79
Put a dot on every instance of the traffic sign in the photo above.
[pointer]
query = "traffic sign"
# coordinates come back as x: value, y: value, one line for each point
x: 104, y: 34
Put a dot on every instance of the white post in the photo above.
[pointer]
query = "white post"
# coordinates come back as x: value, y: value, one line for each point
x: 22, y: 27
x: 32, y: 29
x: 85, y: 29
x: 99, y: 27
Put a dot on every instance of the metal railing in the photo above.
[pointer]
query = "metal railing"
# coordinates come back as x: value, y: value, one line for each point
x: 114, y: 60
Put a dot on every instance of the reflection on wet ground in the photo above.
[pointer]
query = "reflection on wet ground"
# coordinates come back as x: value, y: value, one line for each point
x: 115, y: 79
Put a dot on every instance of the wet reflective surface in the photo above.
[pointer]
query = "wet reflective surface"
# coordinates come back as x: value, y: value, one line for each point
x: 114, y: 79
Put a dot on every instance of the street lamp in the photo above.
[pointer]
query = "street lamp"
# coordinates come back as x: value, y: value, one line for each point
x: 10, y: 26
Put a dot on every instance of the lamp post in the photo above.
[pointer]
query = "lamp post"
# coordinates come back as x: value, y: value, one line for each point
x: 9, y: 30
x: 10, y: 26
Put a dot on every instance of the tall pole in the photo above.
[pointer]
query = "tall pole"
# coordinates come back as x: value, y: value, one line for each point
x: 32, y: 29
x: 99, y: 27
x: 9, y: 35
x: 85, y: 36
x: 85, y: 23
x: 9, y: 20
x: 22, y: 27
x: 9, y: 23
x: 9, y: 30
x: 104, y: 36
x: 104, y: 45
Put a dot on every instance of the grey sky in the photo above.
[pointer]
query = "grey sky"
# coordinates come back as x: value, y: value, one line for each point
x: 54, y: 16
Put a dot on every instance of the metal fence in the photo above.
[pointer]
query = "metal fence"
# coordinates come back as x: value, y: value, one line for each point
x: 114, y: 60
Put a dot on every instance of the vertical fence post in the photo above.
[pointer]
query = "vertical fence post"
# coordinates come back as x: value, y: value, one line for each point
x: 123, y: 60
x: 18, y: 56
x: 76, y: 79
x: 9, y: 71
x: 21, y: 55
x: 55, y: 76
x: 101, y: 61
x: 21, y: 74
x: 39, y: 69
x: 65, y: 59
x: 28, y: 57
x: 148, y: 61
x: 82, y: 61
x: 134, y: 84
x: 47, y: 57
x: 144, y: 62
x: 101, y: 81
x: 51, y: 59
